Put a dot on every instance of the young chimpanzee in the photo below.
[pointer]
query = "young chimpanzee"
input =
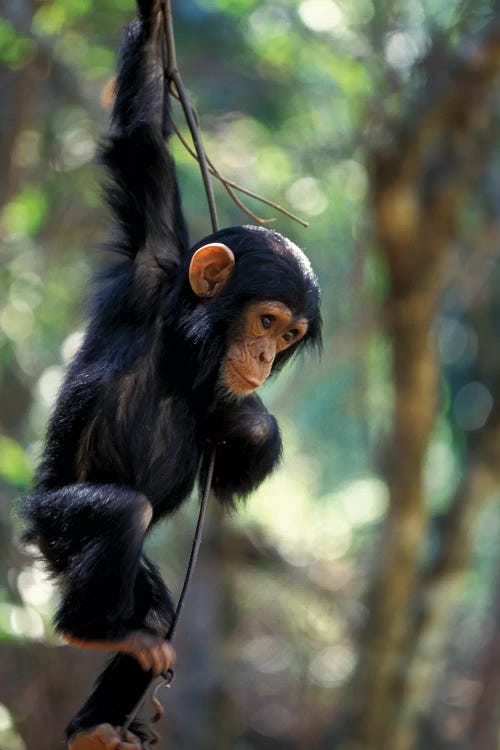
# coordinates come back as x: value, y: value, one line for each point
x: 178, y: 341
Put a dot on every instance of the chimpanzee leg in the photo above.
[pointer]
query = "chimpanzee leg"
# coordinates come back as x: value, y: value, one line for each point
x: 153, y: 604
x: 117, y: 691
x: 122, y: 682
x: 91, y: 536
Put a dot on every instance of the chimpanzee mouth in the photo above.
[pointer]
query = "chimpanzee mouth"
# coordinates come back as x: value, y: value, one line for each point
x: 252, y: 382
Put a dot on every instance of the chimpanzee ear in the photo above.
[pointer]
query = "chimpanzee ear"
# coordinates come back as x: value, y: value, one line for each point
x: 210, y: 268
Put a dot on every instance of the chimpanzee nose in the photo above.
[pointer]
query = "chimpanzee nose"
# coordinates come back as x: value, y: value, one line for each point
x: 266, y: 355
x: 263, y: 351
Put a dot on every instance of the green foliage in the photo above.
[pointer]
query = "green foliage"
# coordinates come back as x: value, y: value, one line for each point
x: 14, y: 465
x: 15, y: 49
x: 26, y: 212
x: 52, y: 17
x: 231, y: 7
x: 96, y: 60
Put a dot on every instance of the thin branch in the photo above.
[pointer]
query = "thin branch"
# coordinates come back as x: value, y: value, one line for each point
x: 207, y: 167
x: 172, y: 74
x: 241, y: 205
x: 235, y: 186
x: 214, y: 172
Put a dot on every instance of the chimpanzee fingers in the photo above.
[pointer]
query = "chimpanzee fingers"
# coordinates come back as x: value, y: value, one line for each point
x: 164, y: 654
x: 168, y: 656
x: 131, y: 738
x: 129, y: 742
x: 144, y: 658
x: 103, y: 737
x: 152, y: 652
x: 149, y: 660
x: 157, y: 660
x: 163, y: 657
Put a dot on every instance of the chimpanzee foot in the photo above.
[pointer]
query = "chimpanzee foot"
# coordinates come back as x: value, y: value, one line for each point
x: 152, y: 652
x: 103, y: 737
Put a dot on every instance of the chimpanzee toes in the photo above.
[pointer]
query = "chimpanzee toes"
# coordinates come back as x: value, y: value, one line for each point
x: 152, y: 652
x: 103, y: 737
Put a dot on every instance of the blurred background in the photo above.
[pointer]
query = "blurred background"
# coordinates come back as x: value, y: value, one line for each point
x: 354, y: 603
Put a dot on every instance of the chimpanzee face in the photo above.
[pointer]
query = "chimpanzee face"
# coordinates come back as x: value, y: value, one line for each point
x: 265, y: 329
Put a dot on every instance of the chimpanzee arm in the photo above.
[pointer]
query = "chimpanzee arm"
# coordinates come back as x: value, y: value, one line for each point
x: 248, y: 447
x: 143, y: 192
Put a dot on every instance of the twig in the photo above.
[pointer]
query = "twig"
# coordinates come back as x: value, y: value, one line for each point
x: 172, y: 74
x: 207, y: 167
x: 216, y: 174
x: 230, y: 186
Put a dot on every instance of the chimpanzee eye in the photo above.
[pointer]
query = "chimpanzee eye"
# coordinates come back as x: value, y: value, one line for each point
x: 266, y: 321
x: 290, y: 335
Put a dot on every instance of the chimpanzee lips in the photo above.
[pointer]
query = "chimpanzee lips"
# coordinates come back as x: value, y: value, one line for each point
x: 253, y: 382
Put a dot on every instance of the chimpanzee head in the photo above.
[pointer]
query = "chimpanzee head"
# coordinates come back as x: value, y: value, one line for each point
x: 254, y: 293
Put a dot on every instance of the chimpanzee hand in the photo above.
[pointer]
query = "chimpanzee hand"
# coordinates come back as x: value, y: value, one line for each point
x: 103, y: 737
x: 248, y: 445
x: 149, y: 8
x: 245, y: 423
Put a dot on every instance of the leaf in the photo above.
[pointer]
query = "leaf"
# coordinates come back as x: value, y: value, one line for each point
x: 14, y: 465
x: 25, y: 213
x: 15, y: 50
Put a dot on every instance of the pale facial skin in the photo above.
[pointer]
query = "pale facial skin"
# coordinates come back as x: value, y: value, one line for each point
x: 269, y: 328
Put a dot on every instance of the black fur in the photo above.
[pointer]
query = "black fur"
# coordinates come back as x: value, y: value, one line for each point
x: 141, y: 399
